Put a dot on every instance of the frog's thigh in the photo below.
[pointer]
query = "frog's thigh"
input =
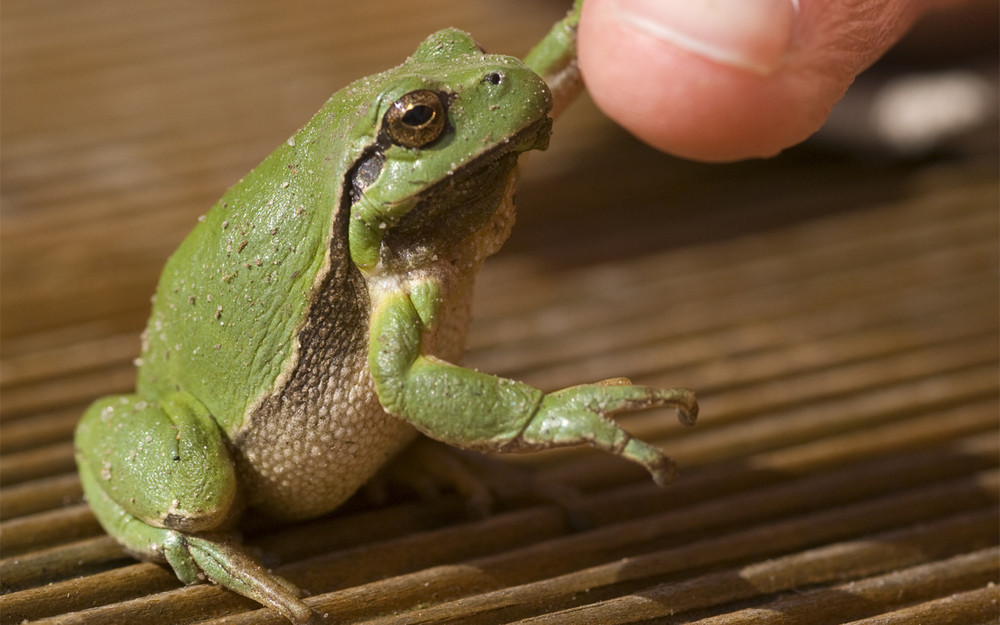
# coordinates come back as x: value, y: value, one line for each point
x: 138, y: 537
x: 160, y: 480
x: 151, y: 467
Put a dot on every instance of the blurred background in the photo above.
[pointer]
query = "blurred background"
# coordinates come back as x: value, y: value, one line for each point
x: 835, y: 307
x: 122, y: 122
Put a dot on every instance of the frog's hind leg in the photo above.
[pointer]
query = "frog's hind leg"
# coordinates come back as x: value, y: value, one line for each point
x: 430, y: 468
x: 159, y: 479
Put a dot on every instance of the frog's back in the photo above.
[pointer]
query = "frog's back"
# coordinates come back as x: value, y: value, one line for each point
x: 236, y: 293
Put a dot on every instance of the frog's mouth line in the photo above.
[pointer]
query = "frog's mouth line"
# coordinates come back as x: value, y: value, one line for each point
x: 366, y: 170
x: 534, y: 136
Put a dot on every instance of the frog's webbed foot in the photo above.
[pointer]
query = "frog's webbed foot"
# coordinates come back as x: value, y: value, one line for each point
x: 212, y: 557
x: 581, y: 414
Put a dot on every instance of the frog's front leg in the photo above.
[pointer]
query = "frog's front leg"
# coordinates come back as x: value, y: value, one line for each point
x: 554, y: 59
x: 474, y: 410
x: 161, y: 481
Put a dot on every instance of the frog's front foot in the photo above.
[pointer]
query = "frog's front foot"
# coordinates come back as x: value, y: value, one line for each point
x: 582, y: 414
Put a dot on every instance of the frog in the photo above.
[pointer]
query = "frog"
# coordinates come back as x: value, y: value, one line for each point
x: 309, y: 326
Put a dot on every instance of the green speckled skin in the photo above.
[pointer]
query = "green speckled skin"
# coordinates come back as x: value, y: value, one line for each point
x: 307, y: 327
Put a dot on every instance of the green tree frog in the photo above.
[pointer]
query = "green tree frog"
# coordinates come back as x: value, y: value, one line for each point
x: 305, y: 330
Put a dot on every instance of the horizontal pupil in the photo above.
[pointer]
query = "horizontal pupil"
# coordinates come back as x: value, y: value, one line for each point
x: 418, y: 115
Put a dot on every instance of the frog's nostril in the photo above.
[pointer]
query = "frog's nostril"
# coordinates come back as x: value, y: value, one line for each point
x: 494, y: 78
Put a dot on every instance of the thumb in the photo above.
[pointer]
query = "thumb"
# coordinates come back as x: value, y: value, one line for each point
x: 722, y: 80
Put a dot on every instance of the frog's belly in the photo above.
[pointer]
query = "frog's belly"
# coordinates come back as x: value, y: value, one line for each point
x: 306, y: 453
x: 303, y: 452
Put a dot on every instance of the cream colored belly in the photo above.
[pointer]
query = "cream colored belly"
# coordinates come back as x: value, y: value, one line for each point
x: 311, y: 456
x: 302, y: 457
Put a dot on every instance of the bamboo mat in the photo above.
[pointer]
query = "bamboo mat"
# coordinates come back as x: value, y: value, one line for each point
x: 838, y: 317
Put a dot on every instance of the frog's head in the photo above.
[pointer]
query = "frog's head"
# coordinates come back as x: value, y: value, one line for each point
x: 444, y: 134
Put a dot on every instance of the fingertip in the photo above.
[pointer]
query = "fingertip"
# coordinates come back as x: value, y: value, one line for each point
x: 718, y: 104
x: 694, y: 103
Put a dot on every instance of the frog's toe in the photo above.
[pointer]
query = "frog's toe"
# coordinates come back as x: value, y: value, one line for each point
x: 228, y: 565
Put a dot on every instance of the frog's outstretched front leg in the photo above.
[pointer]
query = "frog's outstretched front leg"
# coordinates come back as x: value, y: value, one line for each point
x: 160, y: 480
x: 474, y: 410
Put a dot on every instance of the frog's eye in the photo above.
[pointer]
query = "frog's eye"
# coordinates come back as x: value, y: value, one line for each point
x: 415, y: 119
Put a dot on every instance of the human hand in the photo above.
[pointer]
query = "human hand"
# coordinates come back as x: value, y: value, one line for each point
x: 720, y: 80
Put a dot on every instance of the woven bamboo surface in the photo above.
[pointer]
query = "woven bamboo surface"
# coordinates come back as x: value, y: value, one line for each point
x: 838, y: 317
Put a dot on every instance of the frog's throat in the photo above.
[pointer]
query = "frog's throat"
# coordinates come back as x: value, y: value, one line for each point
x: 372, y: 217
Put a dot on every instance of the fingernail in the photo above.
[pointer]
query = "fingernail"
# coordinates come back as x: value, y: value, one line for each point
x: 747, y: 34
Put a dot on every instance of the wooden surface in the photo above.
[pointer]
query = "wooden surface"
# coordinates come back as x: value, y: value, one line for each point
x: 838, y: 317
